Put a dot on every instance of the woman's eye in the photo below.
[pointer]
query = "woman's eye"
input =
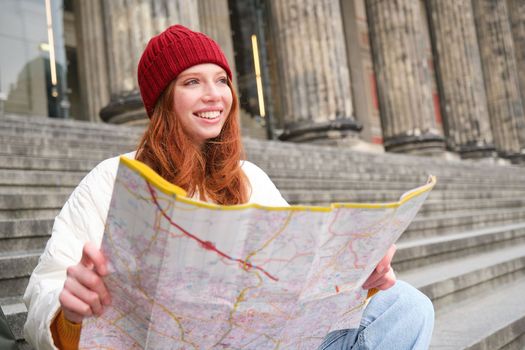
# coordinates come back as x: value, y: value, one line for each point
x: 191, y: 82
x: 223, y: 80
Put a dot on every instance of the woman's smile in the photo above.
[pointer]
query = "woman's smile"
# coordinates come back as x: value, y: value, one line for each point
x: 209, y: 115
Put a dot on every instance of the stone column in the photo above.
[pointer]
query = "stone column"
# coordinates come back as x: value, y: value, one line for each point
x: 501, y: 77
x: 214, y: 19
x: 92, y: 64
x: 517, y: 20
x: 404, y: 80
x: 314, y: 76
x: 460, y: 78
x: 129, y: 25
x: 361, y: 70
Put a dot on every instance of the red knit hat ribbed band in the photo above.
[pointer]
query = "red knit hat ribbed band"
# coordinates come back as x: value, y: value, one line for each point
x: 168, y: 54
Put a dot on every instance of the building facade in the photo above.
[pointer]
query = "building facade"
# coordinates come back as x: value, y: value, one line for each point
x: 418, y: 76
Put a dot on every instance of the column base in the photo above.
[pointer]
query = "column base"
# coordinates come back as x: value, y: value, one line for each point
x: 125, y: 109
x: 514, y: 158
x: 424, y: 144
x: 325, y: 132
x: 477, y: 151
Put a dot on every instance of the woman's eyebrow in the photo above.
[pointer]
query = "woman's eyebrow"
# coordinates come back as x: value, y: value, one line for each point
x: 217, y: 73
x: 183, y: 75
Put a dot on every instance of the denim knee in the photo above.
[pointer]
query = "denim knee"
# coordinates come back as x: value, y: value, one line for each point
x: 414, y: 300
x: 399, y: 318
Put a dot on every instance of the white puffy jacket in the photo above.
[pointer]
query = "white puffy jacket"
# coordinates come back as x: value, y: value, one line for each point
x: 82, y: 219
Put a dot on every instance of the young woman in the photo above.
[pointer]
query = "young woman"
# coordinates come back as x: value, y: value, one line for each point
x: 192, y: 140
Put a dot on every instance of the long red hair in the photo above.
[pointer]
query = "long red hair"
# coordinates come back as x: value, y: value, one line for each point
x: 213, y: 170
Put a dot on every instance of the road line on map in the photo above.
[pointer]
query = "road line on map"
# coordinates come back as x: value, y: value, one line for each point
x: 275, y: 235
x: 205, y: 244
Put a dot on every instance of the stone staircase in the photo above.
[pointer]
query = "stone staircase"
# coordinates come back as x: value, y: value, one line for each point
x: 465, y: 249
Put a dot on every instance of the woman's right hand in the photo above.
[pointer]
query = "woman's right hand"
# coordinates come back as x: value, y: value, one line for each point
x: 84, y: 293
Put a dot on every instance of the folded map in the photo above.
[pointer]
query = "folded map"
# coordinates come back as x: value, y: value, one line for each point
x: 186, y: 274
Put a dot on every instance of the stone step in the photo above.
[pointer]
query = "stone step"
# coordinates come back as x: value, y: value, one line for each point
x: 42, y: 182
x: 15, y: 269
x: 33, y: 178
x: 15, y: 312
x: 95, y: 152
x: 18, y: 264
x: 36, y: 242
x: 449, y: 223
x: 48, y: 196
x: 41, y: 171
x: 364, y: 196
x: 37, y: 159
x: 350, y: 161
x: 14, y: 202
x: 43, y: 125
x: 90, y: 151
x: 282, y: 153
x: 460, y: 286
x: 441, y: 282
x: 28, y: 214
x: 59, y: 141
x: 23, y: 228
x: 401, y: 184
x: 263, y: 150
x: 49, y: 125
x: 28, y: 189
x: 434, y: 250
x: 54, y: 178
x: 414, y: 179
x: 490, y: 318
x: 40, y: 163
x: 68, y: 135
x: 38, y: 181
x: 14, y: 287
x: 87, y: 153
x: 433, y: 207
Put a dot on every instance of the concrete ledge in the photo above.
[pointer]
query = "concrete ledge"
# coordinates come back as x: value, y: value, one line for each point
x: 421, y: 252
x: 488, y: 320
x: 462, y: 221
x: 40, y: 178
x: 58, y: 164
x: 25, y: 228
x: 18, y: 264
x: 33, y: 201
x: 449, y: 277
x: 16, y: 314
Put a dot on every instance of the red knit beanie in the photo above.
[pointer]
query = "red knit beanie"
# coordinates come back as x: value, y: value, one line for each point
x: 168, y: 54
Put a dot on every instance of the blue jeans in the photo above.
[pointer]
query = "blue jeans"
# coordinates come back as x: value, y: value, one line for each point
x: 399, y: 318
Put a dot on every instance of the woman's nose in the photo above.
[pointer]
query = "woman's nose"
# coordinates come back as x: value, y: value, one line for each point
x: 211, y: 93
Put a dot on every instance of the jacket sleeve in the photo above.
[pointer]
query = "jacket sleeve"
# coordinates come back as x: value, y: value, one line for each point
x: 82, y: 219
x: 263, y: 191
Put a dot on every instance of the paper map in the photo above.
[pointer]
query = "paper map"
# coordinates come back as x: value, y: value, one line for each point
x: 185, y: 274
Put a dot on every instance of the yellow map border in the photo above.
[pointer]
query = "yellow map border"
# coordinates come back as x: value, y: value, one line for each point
x: 170, y: 189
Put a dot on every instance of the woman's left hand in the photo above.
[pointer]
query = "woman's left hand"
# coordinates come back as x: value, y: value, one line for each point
x: 383, y: 276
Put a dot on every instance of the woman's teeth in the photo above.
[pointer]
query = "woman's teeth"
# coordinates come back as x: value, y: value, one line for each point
x: 209, y: 115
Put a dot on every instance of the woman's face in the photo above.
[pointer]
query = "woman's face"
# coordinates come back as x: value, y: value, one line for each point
x: 202, y: 101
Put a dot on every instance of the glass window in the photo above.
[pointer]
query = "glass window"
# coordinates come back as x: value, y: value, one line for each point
x: 31, y: 71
